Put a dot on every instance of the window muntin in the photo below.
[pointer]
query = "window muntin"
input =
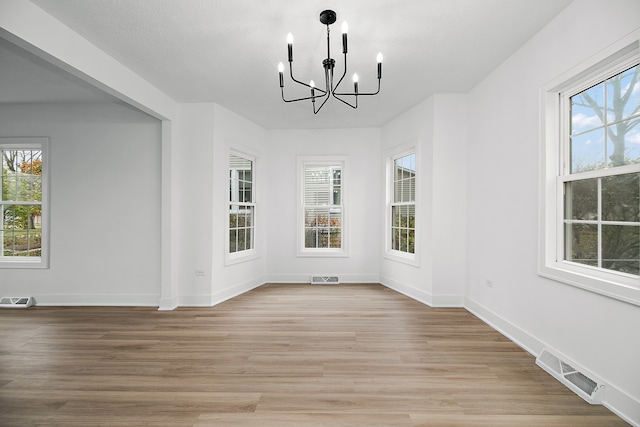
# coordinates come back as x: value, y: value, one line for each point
x: 601, y: 185
x: 23, y: 207
x: 323, y: 208
x: 403, y: 204
x: 241, y: 204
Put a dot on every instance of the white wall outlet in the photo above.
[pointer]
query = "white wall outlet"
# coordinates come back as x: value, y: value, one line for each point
x: 489, y: 283
x: 199, y: 272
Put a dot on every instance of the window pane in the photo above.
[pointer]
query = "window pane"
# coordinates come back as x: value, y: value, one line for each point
x: 582, y: 243
x: 335, y: 239
x: 411, y: 216
x: 621, y: 248
x: 22, y: 231
x: 395, y: 216
x: 397, y: 191
x: 335, y: 217
x: 240, y: 179
x: 249, y: 216
x: 621, y: 198
x: 337, y: 176
x: 588, y: 151
x: 410, y: 194
x: 323, y: 238
x: 233, y: 242
x: 623, y: 94
x: 310, y: 237
x: 337, y: 196
x: 241, y: 239
x: 233, y: 217
x: 581, y: 200
x: 412, y: 241
x: 632, y: 142
x: 249, y: 238
x: 586, y: 109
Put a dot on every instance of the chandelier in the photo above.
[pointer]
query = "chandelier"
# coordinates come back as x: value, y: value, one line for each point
x: 327, y: 18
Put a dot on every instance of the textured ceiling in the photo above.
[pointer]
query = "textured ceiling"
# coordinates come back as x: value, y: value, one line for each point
x: 227, y: 52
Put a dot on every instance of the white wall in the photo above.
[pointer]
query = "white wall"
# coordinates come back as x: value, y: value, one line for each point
x: 232, y: 131
x: 362, y: 146
x: 105, y: 202
x: 502, y: 222
x: 437, y: 127
x: 206, y: 133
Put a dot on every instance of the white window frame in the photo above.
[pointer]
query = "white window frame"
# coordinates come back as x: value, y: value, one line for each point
x: 247, y: 254
x: 391, y: 155
x: 553, y: 160
x: 342, y: 162
x: 35, y: 143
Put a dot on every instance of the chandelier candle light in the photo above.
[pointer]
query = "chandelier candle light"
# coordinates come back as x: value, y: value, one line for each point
x: 327, y: 18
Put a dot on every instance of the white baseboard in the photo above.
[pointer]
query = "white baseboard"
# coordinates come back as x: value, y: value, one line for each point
x: 413, y: 293
x: 233, y: 291
x: 306, y: 278
x: 423, y: 296
x: 139, y: 300
x: 615, y: 399
x: 209, y: 300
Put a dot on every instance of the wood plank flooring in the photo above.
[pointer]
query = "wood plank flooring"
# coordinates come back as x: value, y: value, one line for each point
x: 280, y: 355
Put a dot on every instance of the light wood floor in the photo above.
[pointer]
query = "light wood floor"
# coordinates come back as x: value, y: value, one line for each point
x: 281, y: 355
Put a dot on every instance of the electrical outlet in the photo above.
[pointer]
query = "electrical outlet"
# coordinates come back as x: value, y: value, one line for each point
x: 489, y: 283
x: 199, y: 272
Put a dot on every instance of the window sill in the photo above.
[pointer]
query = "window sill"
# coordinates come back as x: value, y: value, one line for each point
x: 24, y: 263
x: 239, y: 257
x: 402, y: 257
x: 621, y: 287
x: 322, y: 253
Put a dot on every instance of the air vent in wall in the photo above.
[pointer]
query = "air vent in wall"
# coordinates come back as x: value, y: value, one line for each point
x: 583, y: 384
x: 16, y: 302
x: 324, y: 280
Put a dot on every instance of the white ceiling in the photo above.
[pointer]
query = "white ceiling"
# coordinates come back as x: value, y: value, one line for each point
x: 227, y: 51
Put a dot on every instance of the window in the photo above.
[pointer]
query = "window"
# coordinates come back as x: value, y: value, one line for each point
x: 242, y: 205
x: 601, y: 194
x: 322, y: 207
x: 591, y: 200
x: 401, y: 205
x: 24, y: 231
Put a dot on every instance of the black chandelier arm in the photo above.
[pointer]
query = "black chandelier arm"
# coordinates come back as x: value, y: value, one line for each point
x: 324, y: 92
x: 359, y: 93
x: 313, y: 98
x: 344, y: 73
x: 313, y: 103
x: 346, y: 102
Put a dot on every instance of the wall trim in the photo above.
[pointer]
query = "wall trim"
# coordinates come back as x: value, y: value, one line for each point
x: 130, y: 300
x: 409, y: 291
x: 306, y: 278
x: 616, y: 400
x: 233, y: 291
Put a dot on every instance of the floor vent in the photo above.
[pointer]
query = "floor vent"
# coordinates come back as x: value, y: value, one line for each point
x: 16, y: 302
x: 324, y: 280
x: 583, y: 384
